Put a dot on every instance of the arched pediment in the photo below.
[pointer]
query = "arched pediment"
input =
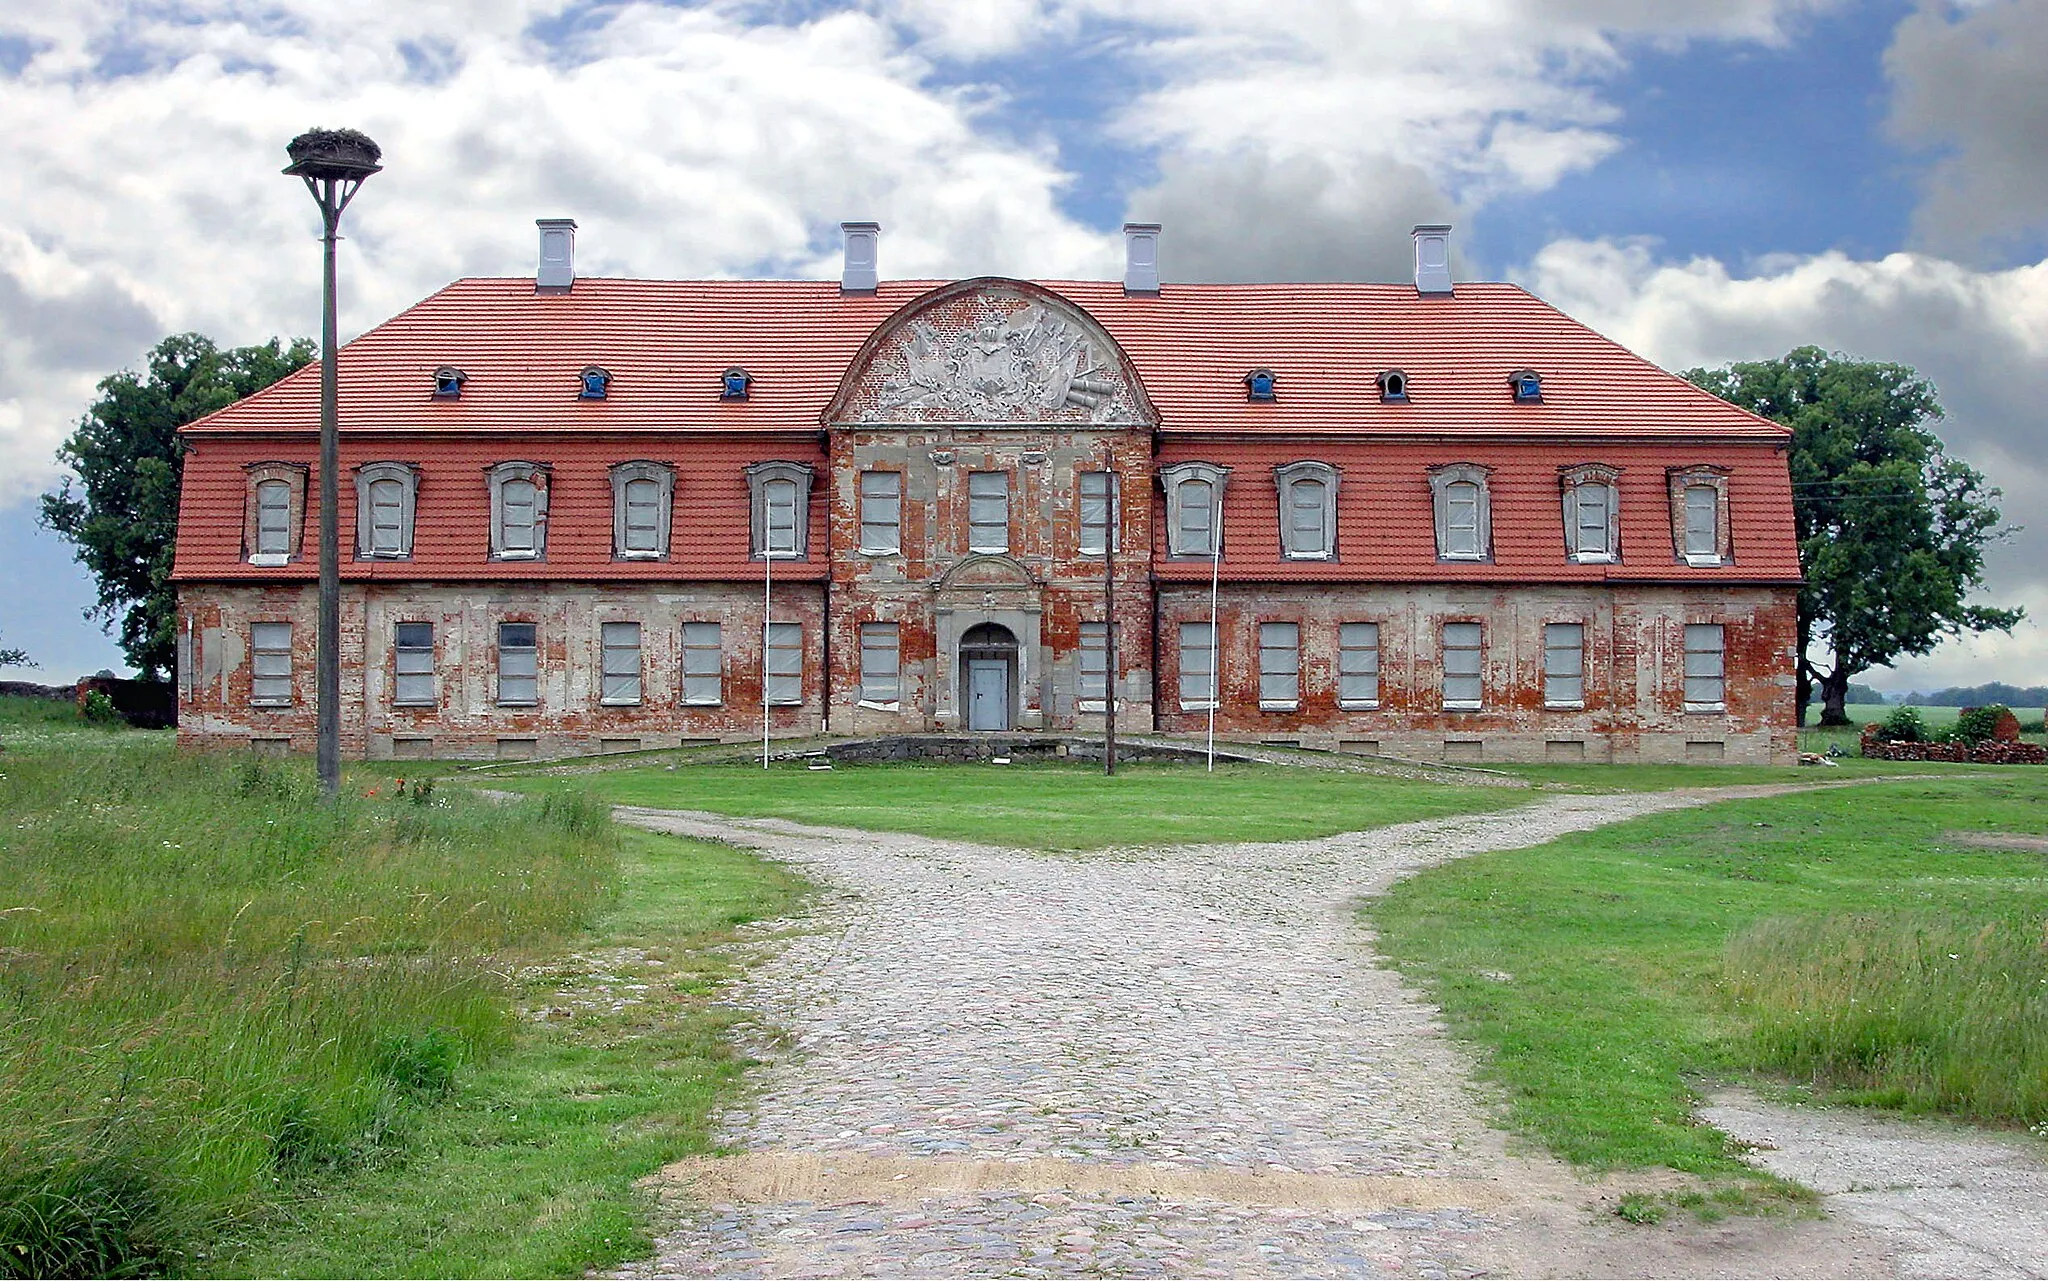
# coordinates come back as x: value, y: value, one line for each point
x: 991, y: 351
x: 987, y: 571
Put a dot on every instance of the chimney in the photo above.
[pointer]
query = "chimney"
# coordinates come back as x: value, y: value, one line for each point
x: 863, y: 243
x: 1433, y: 259
x: 1141, y: 258
x: 557, y: 273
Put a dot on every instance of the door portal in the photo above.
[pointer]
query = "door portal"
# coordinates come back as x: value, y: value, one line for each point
x: 988, y: 667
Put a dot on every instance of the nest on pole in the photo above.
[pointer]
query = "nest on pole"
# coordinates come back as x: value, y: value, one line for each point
x: 333, y: 153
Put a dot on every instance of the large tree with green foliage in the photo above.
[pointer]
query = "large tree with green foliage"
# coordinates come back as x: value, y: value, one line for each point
x: 1892, y: 531
x: 122, y: 517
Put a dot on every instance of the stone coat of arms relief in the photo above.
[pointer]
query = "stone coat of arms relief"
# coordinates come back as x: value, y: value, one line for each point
x: 1029, y: 365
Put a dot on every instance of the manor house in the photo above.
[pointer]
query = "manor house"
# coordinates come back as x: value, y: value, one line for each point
x: 1433, y: 520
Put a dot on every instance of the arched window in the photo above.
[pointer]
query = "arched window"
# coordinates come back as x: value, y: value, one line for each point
x: 1464, y: 519
x: 1308, y: 510
x: 641, y: 493
x: 1592, y: 516
x: 385, y: 494
x: 781, y: 506
x: 275, y: 508
x: 519, y: 511
x: 1194, y: 507
x: 1699, y: 515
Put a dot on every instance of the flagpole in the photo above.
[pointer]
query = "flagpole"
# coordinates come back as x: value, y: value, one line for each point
x: 767, y: 607
x: 1215, y: 637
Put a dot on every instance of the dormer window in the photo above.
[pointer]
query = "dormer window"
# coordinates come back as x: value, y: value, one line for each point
x: 384, y: 503
x: 1308, y: 510
x: 596, y: 383
x: 1464, y: 516
x: 640, y: 510
x: 273, y: 513
x: 1699, y: 515
x: 1393, y: 387
x: 734, y: 384
x: 1194, y: 508
x: 519, y: 511
x: 1527, y: 385
x: 781, y: 501
x: 1259, y: 384
x: 1592, y: 514
x: 448, y: 382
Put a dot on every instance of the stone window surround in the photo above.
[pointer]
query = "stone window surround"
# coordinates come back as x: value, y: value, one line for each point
x: 408, y: 477
x: 1171, y: 478
x: 1441, y: 478
x: 294, y: 476
x: 759, y: 476
x: 1569, y: 482
x: 1285, y: 478
x: 497, y: 475
x: 664, y: 478
x: 1680, y: 479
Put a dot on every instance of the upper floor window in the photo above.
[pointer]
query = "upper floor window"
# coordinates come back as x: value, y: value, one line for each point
x: 734, y: 384
x: 641, y: 494
x: 413, y: 665
x: 1308, y: 510
x: 1464, y: 517
x: 519, y: 511
x: 1098, y: 508
x: 593, y: 383
x: 881, y: 512
x: 1527, y: 386
x: 1699, y: 515
x: 275, y: 513
x: 1194, y: 508
x: 1592, y: 514
x: 448, y: 382
x: 518, y: 665
x: 781, y: 501
x: 1258, y: 384
x: 384, y: 505
x: 1464, y: 685
x: 1393, y: 387
x: 988, y: 511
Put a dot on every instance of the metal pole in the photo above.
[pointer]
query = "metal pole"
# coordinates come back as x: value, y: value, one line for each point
x: 327, y: 660
x: 1111, y: 522
x: 767, y: 626
x: 1215, y: 636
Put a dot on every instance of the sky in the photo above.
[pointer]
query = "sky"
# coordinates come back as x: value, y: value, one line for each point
x: 1703, y: 180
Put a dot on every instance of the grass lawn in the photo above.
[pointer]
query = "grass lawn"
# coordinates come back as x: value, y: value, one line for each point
x: 1603, y: 975
x: 1052, y: 807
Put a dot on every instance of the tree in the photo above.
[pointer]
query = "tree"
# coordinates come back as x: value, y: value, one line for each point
x: 1891, y: 530
x: 15, y: 658
x: 123, y: 520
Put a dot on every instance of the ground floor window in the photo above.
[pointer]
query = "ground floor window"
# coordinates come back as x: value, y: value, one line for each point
x: 1564, y: 664
x: 518, y: 665
x: 1091, y: 683
x: 703, y: 665
x: 1705, y: 672
x: 414, y: 665
x: 1463, y: 687
x: 784, y: 684
x: 1197, y: 666
x: 1358, y: 665
x: 1279, y: 666
x: 270, y: 657
x: 621, y: 663
x: 881, y: 665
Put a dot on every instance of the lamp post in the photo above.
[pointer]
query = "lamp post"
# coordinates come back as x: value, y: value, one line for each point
x: 333, y: 164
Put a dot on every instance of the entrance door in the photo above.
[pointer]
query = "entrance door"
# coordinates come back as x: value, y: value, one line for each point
x: 988, y: 693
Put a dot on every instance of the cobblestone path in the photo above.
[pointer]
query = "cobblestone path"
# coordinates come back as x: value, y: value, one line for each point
x: 1146, y: 1062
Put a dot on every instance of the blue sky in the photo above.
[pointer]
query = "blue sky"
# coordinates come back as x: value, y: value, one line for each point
x: 1706, y: 180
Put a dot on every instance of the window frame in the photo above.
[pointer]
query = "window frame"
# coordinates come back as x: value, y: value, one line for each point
x: 1181, y: 652
x: 368, y: 476
x: 624, y: 476
x: 1682, y: 481
x: 1105, y: 504
x: 1280, y: 639
x: 880, y: 537
x: 1555, y: 695
x: 293, y: 477
x: 1344, y: 664
x: 531, y: 650
x: 257, y: 651
x: 498, y: 476
x: 1573, y: 484
x: 693, y: 663
x: 1091, y: 667
x: 1442, y: 480
x: 1173, y: 480
x: 1719, y: 676
x: 404, y: 652
x: 1288, y: 478
x: 979, y: 541
x: 762, y: 478
x: 773, y: 643
x: 875, y: 683
x: 1478, y: 673
x: 607, y: 672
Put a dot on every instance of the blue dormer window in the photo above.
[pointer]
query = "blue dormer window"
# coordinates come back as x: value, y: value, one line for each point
x: 448, y: 382
x: 1259, y: 384
x: 1528, y: 386
x: 596, y: 383
x: 1393, y: 387
x: 734, y: 383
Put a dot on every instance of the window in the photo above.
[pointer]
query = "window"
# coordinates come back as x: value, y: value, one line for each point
x: 384, y: 507
x: 1701, y: 504
x: 988, y: 511
x: 1699, y: 515
x: 1464, y: 521
x: 1393, y: 387
x: 1092, y: 662
x: 1705, y: 684
x: 1564, y: 664
x: 518, y: 665
x: 881, y: 512
x: 593, y: 384
x: 703, y: 664
x: 519, y: 511
x: 1463, y: 688
x: 1279, y: 666
x: 785, y: 658
x: 1308, y: 510
x: 448, y: 382
x: 1098, y: 507
x: 1592, y: 524
x: 641, y: 494
x: 1197, y: 666
x: 621, y: 681
x: 781, y: 494
x: 1358, y: 665
x: 270, y: 664
x: 413, y: 665
x: 734, y: 384
x: 1527, y: 385
x: 1258, y: 384
x: 880, y: 665
x: 276, y: 505
x: 1194, y: 507
x: 273, y: 516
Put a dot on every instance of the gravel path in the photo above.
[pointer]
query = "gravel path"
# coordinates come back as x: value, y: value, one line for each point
x: 1144, y: 1062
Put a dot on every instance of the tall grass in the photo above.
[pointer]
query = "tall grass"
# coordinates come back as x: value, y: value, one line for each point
x: 1913, y: 1010
x: 211, y: 982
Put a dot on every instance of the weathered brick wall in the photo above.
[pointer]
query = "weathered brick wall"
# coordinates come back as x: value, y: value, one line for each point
x: 1634, y: 659
x: 214, y: 667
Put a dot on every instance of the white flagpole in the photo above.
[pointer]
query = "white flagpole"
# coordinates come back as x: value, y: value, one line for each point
x: 767, y: 606
x: 1215, y: 638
